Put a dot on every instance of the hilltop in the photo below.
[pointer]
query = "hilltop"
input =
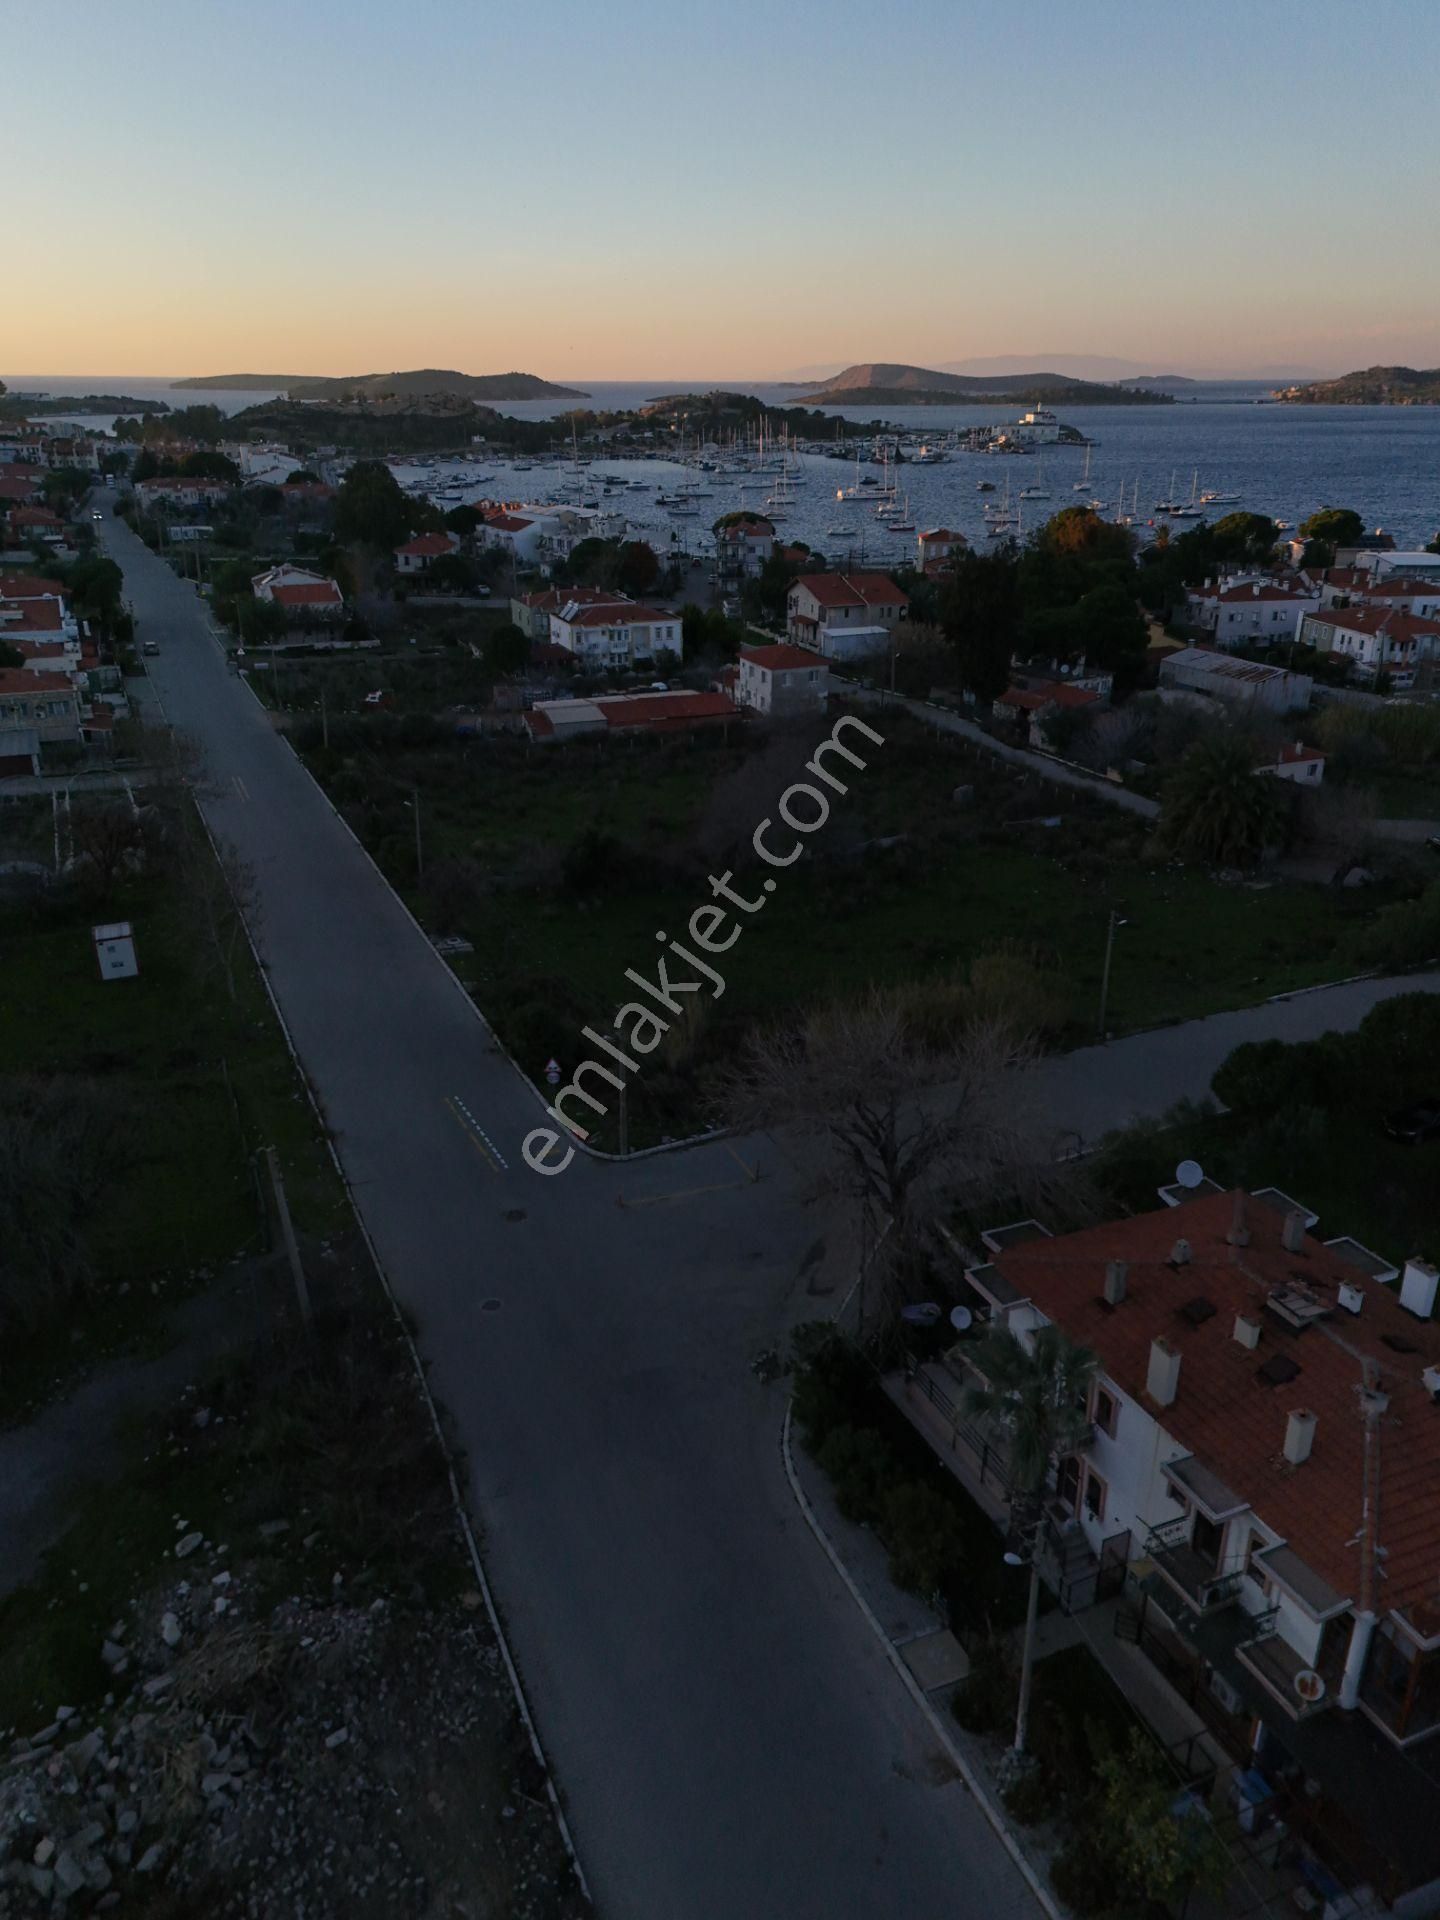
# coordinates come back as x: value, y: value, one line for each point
x: 1371, y: 387
x: 886, y: 383
x: 420, y: 383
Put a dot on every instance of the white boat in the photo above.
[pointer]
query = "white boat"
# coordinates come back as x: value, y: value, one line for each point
x: 1082, y: 485
x: 1192, y: 510
x: 1219, y: 499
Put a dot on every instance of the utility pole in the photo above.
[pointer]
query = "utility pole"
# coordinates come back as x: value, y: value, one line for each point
x: 287, y: 1234
x: 1115, y: 921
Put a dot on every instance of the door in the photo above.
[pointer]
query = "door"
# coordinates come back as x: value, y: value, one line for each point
x: 1067, y: 1483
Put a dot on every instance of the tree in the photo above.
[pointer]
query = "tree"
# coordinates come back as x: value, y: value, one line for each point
x: 903, y: 1127
x: 638, y: 567
x: 1216, y: 807
x: 452, y: 573
x: 1156, y: 1858
x: 302, y: 477
x: 97, y: 587
x: 1038, y: 1397
x: 980, y: 618
x: 506, y: 650
x: 210, y: 465
x: 1328, y: 529
x: 371, y: 509
x: 462, y: 520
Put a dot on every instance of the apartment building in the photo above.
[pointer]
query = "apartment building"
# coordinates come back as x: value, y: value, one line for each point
x: 1261, y: 1476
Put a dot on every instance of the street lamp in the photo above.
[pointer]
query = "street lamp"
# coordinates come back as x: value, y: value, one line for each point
x: 1022, y: 1554
x: 1116, y: 920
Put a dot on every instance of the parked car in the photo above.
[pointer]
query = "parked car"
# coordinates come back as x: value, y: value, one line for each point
x: 1416, y: 1123
x: 150, y: 646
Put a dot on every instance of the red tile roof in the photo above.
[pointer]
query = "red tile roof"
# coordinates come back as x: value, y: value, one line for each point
x: 1392, y: 621
x: 853, y: 589
x: 614, y: 613
x: 23, y: 680
x: 943, y: 533
x: 29, y: 616
x: 508, y: 522
x: 553, y: 598
x: 780, y: 658
x: 29, y: 586
x: 1233, y: 1421
x: 1293, y: 755
x: 34, y: 517
x: 428, y: 546
x: 323, y: 593
x: 1031, y: 699
x: 1243, y: 591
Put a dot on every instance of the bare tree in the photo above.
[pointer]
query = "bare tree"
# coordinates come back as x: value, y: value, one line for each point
x: 907, y: 1131
x: 108, y: 840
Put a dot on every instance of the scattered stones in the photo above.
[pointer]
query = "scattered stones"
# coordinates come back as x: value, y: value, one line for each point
x: 272, y: 1529
x: 338, y: 1738
x: 127, y: 1820
x: 69, y: 1874
x: 150, y: 1859
x: 44, y: 1852
x: 170, y: 1629
x: 187, y: 1544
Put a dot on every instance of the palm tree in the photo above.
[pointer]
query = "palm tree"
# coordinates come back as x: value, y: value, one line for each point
x: 1216, y: 807
x: 1039, y: 1396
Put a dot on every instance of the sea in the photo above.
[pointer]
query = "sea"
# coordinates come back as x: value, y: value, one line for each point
x: 1232, y: 438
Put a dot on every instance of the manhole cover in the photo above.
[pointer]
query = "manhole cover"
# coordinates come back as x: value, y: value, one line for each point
x: 489, y: 1306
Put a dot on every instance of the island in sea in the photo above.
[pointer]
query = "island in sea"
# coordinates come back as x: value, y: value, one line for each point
x: 890, y: 384
x: 1370, y: 387
x: 381, y: 388
x: 36, y: 406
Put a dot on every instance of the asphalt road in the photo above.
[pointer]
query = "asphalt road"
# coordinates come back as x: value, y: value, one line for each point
x: 728, y: 1737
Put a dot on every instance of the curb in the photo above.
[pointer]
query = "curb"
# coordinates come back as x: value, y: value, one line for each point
x: 942, y: 1733
x: 457, y: 1500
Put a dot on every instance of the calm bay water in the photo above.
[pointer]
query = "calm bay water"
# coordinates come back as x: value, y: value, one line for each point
x: 1283, y: 461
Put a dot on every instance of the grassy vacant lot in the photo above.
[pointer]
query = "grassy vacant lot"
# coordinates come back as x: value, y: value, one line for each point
x: 191, y: 1084
x: 559, y: 866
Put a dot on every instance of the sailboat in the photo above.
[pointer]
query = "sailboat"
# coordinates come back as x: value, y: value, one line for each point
x: 1039, y: 491
x: 1082, y: 485
x: 904, y: 524
x: 1192, y: 510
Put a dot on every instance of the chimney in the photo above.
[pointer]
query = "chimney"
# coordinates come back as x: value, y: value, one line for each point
x: 1180, y: 1254
x: 1351, y: 1297
x: 1292, y: 1234
x: 1115, y: 1272
x: 1299, y: 1435
x: 1418, y: 1286
x: 1239, y: 1234
x: 1163, y: 1376
x: 1247, y: 1331
x: 1431, y: 1378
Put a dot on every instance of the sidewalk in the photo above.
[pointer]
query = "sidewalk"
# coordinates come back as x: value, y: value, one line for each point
x: 935, y: 1661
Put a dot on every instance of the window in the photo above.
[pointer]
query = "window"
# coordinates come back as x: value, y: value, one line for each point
x: 1106, y: 1411
x: 1094, y: 1495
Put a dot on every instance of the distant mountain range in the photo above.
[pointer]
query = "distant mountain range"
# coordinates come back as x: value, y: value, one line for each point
x: 880, y: 382
x: 416, y: 384
x: 1100, y: 367
x: 1372, y: 387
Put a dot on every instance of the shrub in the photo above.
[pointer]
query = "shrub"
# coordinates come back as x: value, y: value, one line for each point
x: 1083, y: 1878
x: 1404, y: 935
x: 833, y: 1384
x: 985, y: 1702
x: 1030, y: 1799
x: 924, y: 1534
x: 861, y: 1469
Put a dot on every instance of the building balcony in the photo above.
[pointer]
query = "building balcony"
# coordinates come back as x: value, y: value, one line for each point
x: 1194, y: 1577
x: 1277, y: 1666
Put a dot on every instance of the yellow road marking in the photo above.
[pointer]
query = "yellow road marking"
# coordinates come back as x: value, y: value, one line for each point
x: 751, y: 1173
x: 685, y: 1193
x: 472, y: 1136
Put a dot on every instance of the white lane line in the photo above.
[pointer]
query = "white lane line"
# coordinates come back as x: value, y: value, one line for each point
x: 240, y: 786
x: 473, y: 1122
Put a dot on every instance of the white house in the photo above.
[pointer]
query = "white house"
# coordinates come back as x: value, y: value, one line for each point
x: 180, y: 492
x: 1255, y: 607
x: 741, y: 550
x: 937, y: 546
x: 614, y: 633
x: 298, y: 591
x: 1374, y: 639
x: 417, y: 555
x: 1259, y: 1468
x: 1297, y: 762
x: 781, y: 680
x: 821, y: 606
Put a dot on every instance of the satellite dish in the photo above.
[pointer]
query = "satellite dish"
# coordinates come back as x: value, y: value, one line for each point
x: 923, y: 1315
x: 1309, y: 1684
x: 1189, y: 1173
x: 961, y: 1318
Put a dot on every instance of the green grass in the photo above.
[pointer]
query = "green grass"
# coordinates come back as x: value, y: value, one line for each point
x: 203, y: 1083
x: 547, y: 957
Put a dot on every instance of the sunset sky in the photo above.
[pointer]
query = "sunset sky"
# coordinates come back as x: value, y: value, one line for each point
x: 647, y: 189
